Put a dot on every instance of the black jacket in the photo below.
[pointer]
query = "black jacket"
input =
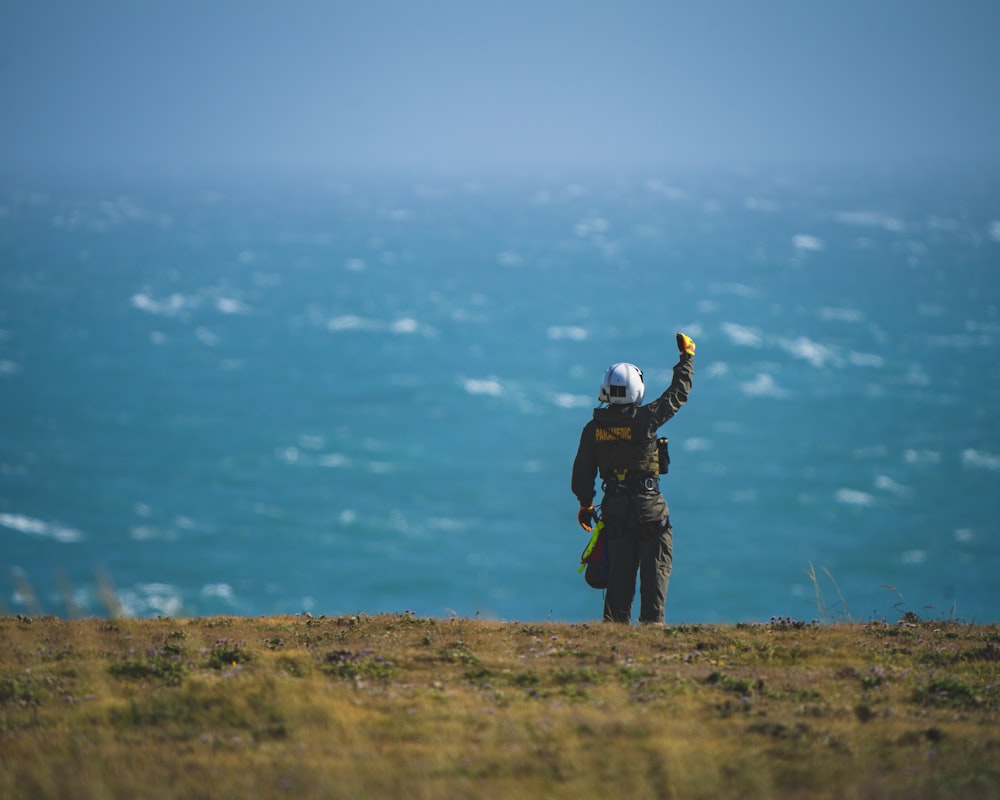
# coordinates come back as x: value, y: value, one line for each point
x: 623, y: 437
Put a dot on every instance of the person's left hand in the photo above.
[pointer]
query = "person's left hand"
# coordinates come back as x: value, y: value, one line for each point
x: 587, y: 517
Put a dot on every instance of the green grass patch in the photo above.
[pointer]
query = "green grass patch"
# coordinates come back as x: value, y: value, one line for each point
x: 397, y: 706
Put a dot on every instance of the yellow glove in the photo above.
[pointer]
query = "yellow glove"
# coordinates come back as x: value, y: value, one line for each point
x: 685, y: 344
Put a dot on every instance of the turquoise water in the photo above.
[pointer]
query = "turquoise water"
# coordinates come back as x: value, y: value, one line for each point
x: 344, y: 396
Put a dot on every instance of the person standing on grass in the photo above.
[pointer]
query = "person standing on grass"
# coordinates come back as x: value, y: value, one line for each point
x: 620, y: 444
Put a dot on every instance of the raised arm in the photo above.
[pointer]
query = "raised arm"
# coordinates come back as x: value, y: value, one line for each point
x: 676, y: 394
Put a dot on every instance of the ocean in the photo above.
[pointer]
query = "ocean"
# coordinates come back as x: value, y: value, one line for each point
x: 356, y: 394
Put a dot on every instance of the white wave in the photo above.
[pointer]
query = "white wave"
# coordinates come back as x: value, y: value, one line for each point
x: 964, y: 535
x: 565, y: 400
x: 921, y: 457
x: 355, y: 265
x: 742, y: 334
x: 573, y: 332
x: 853, y: 497
x: 38, y: 527
x: 980, y: 459
x: 105, y: 215
x: 334, y: 460
x: 717, y: 369
x: 206, y: 336
x: 509, y: 259
x: 987, y: 328
x: 803, y: 242
x: 693, y: 329
x: 170, y: 307
x: 266, y: 510
x: 446, y: 524
x: 936, y: 223
x: 655, y: 186
x: 841, y: 314
x: 871, y: 451
x: 161, y: 598
x: 696, y: 444
x: 734, y: 288
x: 887, y: 484
x: 815, y: 353
x: 267, y: 280
x: 916, y: 375
x: 404, y: 326
x: 762, y: 386
x: 8, y: 367
x: 871, y: 219
x: 591, y: 226
x: 230, y: 305
x: 350, y: 322
x: 914, y: 557
x: 142, y: 533
x: 490, y: 386
x: 961, y: 341
x: 221, y: 590
x: 310, y: 441
x: 865, y: 359
x: 178, y: 303
x: 995, y: 230
x: 145, y: 533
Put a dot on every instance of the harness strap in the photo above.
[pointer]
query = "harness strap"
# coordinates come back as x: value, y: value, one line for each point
x: 638, y: 485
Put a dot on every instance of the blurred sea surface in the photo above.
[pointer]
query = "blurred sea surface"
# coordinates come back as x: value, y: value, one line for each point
x: 243, y: 396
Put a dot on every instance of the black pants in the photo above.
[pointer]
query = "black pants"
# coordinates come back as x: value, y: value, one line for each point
x: 640, y: 542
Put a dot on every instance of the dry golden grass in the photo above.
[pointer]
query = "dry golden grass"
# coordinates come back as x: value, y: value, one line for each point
x: 400, y: 706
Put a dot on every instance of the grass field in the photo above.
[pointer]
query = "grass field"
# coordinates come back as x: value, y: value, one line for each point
x: 399, y: 706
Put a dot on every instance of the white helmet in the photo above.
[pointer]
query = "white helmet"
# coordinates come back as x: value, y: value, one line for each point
x: 622, y: 385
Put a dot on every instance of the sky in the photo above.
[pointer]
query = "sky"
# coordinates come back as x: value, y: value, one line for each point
x: 390, y: 85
